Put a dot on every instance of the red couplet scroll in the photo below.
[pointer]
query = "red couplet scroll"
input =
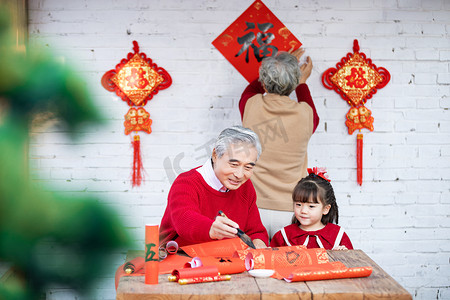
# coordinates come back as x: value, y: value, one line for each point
x: 199, y: 272
x: 225, y: 247
x: 332, y: 270
x: 282, y: 257
x: 225, y: 265
x: 151, y: 254
x: 204, y: 279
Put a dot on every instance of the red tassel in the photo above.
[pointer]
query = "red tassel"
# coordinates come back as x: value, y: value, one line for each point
x: 137, y: 161
x: 359, y: 158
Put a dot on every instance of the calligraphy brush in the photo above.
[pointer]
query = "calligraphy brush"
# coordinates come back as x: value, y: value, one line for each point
x: 245, y: 238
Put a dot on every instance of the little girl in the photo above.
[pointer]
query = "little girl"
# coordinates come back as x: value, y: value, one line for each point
x: 315, y: 211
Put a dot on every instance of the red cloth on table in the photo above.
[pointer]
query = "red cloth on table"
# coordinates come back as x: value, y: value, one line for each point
x: 297, y: 236
x: 192, y: 206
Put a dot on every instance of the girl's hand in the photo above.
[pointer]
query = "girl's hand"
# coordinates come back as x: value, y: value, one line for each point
x: 340, y: 248
x: 223, y: 228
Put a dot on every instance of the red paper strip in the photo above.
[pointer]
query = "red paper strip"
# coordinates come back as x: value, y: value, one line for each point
x: 151, y: 254
x: 225, y: 265
x: 172, y: 262
x: 195, y: 272
x: 225, y: 247
x: 281, y: 257
x: 336, y: 270
x: 204, y: 279
x: 255, y: 34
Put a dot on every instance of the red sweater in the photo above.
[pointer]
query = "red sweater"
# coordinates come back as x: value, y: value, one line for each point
x: 302, y: 92
x: 192, y: 206
x: 297, y: 236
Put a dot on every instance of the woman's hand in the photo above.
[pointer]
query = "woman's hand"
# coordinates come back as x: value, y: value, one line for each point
x: 223, y: 228
x: 297, y: 53
x: 305, y: 70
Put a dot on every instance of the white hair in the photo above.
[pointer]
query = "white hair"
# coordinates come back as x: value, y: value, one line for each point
x: 280, y: 74
x: 236, y: 135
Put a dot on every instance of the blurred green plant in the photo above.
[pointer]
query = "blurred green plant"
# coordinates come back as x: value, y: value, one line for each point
x: 81, y: 228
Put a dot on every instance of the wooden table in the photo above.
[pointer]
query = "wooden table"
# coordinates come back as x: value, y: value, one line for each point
x: 379, y: 285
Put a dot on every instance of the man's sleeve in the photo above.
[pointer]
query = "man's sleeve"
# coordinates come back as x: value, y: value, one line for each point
x: 304, y: 95
x: 255, y: 87
x: 185, y: 213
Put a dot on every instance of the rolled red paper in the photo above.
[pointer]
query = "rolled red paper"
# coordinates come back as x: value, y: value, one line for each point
x: 209, y: 271
x: 335, y: 270
x: 204, y: 279
x: 151, y: 254
x: 225, y: 265
x: 194, y: 263
x: 169, y: 248
x: 133, y: 266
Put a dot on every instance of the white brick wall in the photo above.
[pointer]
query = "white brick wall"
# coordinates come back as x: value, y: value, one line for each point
x: 399, y: 216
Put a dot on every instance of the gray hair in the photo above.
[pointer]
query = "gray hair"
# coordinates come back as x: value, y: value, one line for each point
x: 236, y: 135
x: 280, y: 74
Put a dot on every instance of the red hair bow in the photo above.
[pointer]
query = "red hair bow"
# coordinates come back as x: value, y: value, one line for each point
x: 319, y: 172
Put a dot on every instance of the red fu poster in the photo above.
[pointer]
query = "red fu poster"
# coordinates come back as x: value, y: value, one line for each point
x: 257, y: 33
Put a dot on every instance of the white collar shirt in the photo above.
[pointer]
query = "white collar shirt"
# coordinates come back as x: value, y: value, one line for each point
x: 210, y: 177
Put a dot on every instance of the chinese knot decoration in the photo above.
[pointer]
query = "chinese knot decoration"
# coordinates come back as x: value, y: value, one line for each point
x: 136, y: 79
x: 257, y: 33
x: 356, y: 79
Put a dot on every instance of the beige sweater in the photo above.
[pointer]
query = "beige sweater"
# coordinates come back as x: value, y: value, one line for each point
x: 284, y: 128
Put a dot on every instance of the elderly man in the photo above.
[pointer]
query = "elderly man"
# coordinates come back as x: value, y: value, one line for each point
x: 284, y: 127
x: 222, y: 183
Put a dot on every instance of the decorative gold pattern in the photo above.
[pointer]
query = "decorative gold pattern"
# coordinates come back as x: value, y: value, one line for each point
x: 359, y: 118
x: 137, y: 119
x: 137, y: 79
x: 356, y: 79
